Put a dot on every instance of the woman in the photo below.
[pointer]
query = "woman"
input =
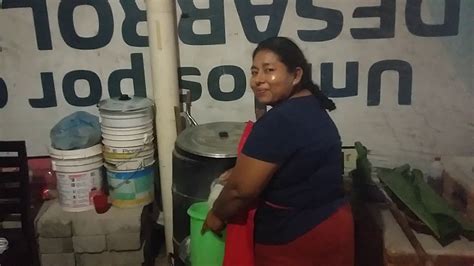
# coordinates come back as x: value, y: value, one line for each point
x: 291, y: 163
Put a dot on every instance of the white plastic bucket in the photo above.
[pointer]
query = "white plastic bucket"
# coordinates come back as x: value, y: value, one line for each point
x: 111, y: 152
x: 131, y: 188
x: 137, y: 161
x: 126, y: 122
x: 129, y: 143
x: 79, y: 176
x: 75, y: 154
x: 126, y: 119
x: 126, y: 131
x: 126, y: 114
x: 144, y: 135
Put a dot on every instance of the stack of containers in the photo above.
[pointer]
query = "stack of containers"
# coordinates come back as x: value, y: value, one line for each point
x: 129, y: 150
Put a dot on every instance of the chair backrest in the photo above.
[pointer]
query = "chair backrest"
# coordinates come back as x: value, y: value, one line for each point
x: 14, y: 181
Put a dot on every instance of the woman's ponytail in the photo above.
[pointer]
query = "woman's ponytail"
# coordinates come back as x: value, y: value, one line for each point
x: 307, y: 83
x: 325, y: 102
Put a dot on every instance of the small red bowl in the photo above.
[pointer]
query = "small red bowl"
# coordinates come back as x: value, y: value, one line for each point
x: 101, y: 203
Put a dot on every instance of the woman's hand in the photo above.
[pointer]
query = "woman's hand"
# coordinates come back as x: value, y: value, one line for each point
x: 213, y: 223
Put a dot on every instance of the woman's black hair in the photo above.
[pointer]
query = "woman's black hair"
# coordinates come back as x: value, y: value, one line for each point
x: 292, y: 56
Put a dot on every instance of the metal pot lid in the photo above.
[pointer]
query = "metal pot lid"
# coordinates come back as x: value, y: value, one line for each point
x: 215, y: 140
x: 125, y: 103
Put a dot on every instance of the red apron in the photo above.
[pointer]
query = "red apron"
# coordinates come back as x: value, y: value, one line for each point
x: 329, y: 243
x: 239, y: 246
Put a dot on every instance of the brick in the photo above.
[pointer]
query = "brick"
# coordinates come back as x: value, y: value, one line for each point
x: 89, y: 244
x: 123, y: 242
x: 54, y: 222
x: 60, y: 259
x: 55, y: 245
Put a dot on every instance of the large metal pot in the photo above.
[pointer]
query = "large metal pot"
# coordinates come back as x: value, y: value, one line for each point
x: 201, y: 154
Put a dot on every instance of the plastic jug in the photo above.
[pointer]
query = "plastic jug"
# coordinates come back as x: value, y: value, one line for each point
x: 206, y: 249
x: 435, y: 175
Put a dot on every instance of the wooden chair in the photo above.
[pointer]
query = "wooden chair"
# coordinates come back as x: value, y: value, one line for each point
x: 15, y: 206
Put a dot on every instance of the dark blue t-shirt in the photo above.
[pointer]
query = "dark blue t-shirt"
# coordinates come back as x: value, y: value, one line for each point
x: 302, y: 139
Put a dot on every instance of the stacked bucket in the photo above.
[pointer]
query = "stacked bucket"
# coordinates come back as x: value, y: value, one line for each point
x: 129, y: 150
x: 79, y: 176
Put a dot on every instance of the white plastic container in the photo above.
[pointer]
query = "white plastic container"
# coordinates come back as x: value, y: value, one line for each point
x: 130, y: 143
x: 126, y: 131
x: 435, y: 175
x: 436, y: 169
x: 79, y: 176
x: 136, y: 161
x: 3, y: 245
x: 215, y: 191
x: 145, y: 135
x: 111, y: 152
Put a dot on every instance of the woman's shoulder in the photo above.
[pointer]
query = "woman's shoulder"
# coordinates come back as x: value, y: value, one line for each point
x: 297, y: 112
x: 275, y: 117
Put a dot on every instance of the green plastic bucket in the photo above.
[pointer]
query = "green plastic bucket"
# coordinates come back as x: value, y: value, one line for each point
x: 207, y: 249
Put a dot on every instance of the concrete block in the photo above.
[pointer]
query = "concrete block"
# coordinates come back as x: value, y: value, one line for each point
x: 55, y: 245
x: 88, y: 223
x: 123, y: 242
x: 44, y: 207
x: 127, y: 258
x: 115, y: 220
x: 99, y: 259
x: 60, y: 259
x: 54, y: 222
x: 89, y: 244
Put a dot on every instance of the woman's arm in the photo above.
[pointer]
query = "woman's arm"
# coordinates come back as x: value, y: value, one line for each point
x: 247, y: 180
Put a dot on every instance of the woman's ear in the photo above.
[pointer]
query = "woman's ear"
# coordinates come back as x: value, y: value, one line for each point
x: 298, y: 75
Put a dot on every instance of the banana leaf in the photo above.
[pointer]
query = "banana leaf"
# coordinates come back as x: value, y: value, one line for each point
x: 409, y: 187
x: 445, y: 223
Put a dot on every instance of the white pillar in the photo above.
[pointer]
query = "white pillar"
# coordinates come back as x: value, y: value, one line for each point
x: 161, y: 17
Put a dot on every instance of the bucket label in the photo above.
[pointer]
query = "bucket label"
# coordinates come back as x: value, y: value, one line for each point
x: 131, y: 188
x: 75, y: 189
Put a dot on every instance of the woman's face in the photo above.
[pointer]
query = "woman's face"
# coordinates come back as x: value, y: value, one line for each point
x: 270, y: 80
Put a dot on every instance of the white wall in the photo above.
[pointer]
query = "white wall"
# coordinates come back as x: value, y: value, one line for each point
x: 436, y: 118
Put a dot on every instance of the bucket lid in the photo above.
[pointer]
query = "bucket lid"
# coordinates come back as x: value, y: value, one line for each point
x: 215, y: 140
x: 125, y: 103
